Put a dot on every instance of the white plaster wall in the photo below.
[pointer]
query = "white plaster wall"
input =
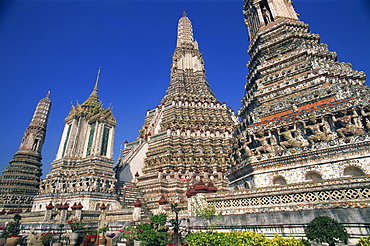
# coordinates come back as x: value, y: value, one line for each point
x: 136, y: 164
x: 297, y: 175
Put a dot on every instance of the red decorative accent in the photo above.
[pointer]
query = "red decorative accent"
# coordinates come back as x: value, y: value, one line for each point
x: 201, y: 187
x: 219, y: 169
x: 126, y: 142
x: 176, y: 169
x: 74, y: 206
x: 168, y: 171
x: 211, y: 187
x: 347, y: 140
x: 138, y: 203
x: 160, y: 170
x: 280, y: 153
x: 162, y: 200
x: 137, y: 174
x: 103, y: 207
x: 50, y: 206
x: 3, y: 211
x: 65, y: 206
x: 196, y: 171
x: 60, y: 206
x: 191, y: 169
x: 188, y: 195
x: 192, y: 191
x: 28, y: 210
x: 205, y: 170
x: 183, y: 171
x: 210, y: 171
x: 79, y: 206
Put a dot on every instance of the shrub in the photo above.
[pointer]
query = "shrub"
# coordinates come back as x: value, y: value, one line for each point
x: 46, y: 238
x: 324, y: 229
x: 151, y: 233
x: 75, y: 225
x: 364, y: 241
x: 13, y: 228
x: 245, y: 238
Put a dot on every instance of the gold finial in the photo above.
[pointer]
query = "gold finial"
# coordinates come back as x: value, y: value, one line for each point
x: 48, y: 94
x: 184, y: 13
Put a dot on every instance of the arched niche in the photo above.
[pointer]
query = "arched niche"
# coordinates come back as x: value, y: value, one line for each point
x: 353, y: 171
x: 313, y: 176
x: 279, y: 180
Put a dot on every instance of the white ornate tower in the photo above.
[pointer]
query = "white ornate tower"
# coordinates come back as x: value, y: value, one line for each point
x: 305, y: 115
x: 185, y: 138
x: 82, y: 171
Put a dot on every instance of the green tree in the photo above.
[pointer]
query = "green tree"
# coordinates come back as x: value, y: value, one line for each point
x: 324, y: 229
x: 154, y: 232
x: 13, y: 228
x: 205, y: 210
x: 176, y: 238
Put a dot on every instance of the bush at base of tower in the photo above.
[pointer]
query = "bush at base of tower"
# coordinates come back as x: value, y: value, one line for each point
x: 247, y: 238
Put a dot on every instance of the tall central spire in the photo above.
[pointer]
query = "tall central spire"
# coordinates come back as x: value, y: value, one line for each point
x: 185, y: 32
x: 187, y: 135
x: 188, y: 80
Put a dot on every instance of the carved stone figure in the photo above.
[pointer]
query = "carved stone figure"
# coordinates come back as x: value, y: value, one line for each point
x: 366, y: 115
x: 266, y: 13
x: 348, y: 128
x: 287, y: 135
x: 244, y: 144
x: 317, y: 134
x: 263, y: 140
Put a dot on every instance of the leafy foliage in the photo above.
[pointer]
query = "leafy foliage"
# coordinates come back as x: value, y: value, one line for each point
x: 151, y: 233
x: 13, y: 228
x: 244, y: 238
x: 130, y: 233
x: 75, y: 225
x: 364, y: 241
x: 324, y: 229
x: 46, y: 238
x: 205, y: 210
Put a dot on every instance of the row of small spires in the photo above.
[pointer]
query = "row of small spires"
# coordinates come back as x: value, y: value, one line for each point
x: 183, y: 171
x: 198, y: 188
x: 191, y: 100
x: 65, y: 206
x: 75, y: 206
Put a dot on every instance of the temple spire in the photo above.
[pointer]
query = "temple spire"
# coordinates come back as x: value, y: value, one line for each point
x: 93, y: 100
x: 185, y: 32
x: 19, y: 182
x: 97, y: 80
x: 188, y: 74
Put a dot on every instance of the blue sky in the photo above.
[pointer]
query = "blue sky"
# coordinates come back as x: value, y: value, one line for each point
x: 59, y: 44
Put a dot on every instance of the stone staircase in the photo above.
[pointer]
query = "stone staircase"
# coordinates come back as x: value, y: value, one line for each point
x: 129, y: 192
